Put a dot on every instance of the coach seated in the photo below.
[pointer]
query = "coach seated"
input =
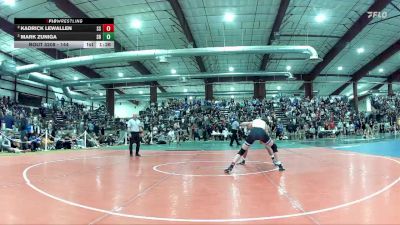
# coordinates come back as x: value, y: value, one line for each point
x: 291, y: 128
x: 67, y: 143
x: 110, y: 139
x: 321, y: 132
x: 311, y: 133
x: 101, y: 139
x: 34, y: 142
x: 184, y: 136
x: 91, y: 142
x: 63, y: 143
x: 161, y: 139
x: 146, y: 138
x: 25, y: 143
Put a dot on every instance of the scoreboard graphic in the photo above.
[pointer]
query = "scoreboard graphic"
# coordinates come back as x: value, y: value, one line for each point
x: 64, y: 33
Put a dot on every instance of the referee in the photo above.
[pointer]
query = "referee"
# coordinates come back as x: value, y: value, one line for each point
x: 234, y: 129
x: 134, y: 127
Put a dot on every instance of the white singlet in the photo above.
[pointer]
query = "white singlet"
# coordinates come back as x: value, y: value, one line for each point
x: 259, y: 123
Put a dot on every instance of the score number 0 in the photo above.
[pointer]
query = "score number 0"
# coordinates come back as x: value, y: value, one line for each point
x: 108, y: 27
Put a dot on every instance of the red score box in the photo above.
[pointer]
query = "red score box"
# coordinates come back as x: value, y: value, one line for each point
x: 108, y: 27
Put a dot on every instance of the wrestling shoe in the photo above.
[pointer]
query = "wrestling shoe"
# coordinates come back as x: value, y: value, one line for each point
x: 276, y: 162
x: 242, y: 162
x: 229, y: 169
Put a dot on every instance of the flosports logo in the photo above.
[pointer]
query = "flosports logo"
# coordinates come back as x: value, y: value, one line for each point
x: 381, y: 15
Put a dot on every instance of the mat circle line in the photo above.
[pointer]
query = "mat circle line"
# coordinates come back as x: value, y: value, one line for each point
x: 110, y: 212
x: 156, y: 168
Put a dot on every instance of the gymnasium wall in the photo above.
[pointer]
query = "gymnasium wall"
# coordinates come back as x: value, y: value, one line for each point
x: 125, y: 109
x: 27, y: 87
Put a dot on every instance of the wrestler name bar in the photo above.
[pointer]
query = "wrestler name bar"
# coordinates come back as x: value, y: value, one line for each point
x: 63, y: 36
x: 59, y: 28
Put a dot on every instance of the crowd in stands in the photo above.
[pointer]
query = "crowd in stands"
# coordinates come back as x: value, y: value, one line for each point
x: 23, y: 128
x: 193, y: 119
x: 287, y: 117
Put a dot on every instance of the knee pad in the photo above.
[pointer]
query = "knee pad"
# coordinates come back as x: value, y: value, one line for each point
x: 245, y: 146
x: 274, y: 148
x: 270, y: 143
x: 241, y: 152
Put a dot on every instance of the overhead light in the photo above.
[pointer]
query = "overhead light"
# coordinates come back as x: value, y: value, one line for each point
x: 162, y: 59
x: 360, y: 50
x: 141, y: 92
x: 340, y: 68
x: 231, y: 69
x: 288, y: 68
x: 232, y: 96
x: 185, y: 90
x: 320, y: 18
x: 46, y: 71
x: 136, y: 24
x: 291, y: 77
x: 101, y: 94
x: 273, y: 95
x: 76, y: 78
x: 229, y: 17
x: 173, y: 71
x: 120, y: 74
x: 279, y: 87
x: 381, y: 70
x: 232, y: 88
x: 190, y: 97
x: 9, y: 2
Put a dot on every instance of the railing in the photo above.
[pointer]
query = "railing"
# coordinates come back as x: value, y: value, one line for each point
x: 85, y: 136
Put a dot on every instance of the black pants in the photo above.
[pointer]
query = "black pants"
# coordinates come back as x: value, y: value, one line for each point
x: 135, y: 138
x: 234, y: 136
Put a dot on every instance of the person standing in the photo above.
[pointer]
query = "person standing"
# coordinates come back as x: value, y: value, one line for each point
x: 23, y: 126
x: 134, y: 127
x: 234, y: 129
x: 9, y: 120
x: 62, y: 101
x: 258, y: 131
x: 178, y: 132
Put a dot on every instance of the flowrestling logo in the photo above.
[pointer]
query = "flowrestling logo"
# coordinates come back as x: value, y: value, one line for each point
x: 380, y: 15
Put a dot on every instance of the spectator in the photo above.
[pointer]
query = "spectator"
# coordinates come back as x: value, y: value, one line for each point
x: 9, y: 120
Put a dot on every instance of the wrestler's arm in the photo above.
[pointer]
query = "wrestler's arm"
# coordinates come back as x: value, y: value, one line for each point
x: 244, y: 124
